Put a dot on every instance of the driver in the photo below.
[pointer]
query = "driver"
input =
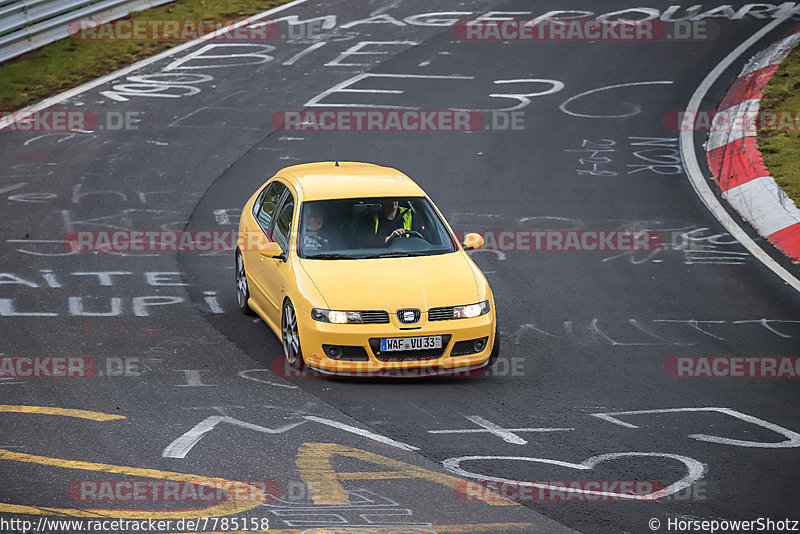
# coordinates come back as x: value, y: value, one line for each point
x: 390, y: 222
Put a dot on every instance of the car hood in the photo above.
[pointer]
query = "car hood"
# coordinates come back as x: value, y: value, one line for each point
x: 389, y: 284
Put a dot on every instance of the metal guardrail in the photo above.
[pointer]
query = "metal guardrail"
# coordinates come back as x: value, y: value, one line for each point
x: 29, y: 24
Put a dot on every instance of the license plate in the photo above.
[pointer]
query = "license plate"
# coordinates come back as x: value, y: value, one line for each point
x: 389, y: 344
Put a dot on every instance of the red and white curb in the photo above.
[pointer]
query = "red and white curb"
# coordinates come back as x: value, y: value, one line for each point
x: 736, y: 163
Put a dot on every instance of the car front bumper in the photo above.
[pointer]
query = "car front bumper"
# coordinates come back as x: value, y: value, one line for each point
x: 313, y: 334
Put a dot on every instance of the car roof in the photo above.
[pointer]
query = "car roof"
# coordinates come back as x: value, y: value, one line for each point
x: 326, y: 180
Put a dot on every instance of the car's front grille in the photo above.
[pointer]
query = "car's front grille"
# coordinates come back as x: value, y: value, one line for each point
x: 464, y: 348
x: 409, y: 315
x: 374, y: 317
x: 407, y: 355
x: 441, y: 314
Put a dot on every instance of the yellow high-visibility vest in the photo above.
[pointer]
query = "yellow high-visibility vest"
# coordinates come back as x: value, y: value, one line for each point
x: 405, y: 212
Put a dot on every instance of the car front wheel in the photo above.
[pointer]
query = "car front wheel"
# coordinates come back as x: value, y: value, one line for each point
x: 242, y: 291
x: 290, y: 337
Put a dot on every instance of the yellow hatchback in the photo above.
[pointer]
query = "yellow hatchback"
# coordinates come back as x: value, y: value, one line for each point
x: 357, y: 272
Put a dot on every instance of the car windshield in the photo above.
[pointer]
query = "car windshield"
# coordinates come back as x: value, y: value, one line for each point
x: 358, y: 228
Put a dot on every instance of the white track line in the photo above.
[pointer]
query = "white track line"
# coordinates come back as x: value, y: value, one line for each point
x: 700, y: 182
x: 46, y: 103
x: 687, y: 147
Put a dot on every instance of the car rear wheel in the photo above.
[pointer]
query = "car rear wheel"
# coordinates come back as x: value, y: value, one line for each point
x: 242, y: 291
x: 290, y: 337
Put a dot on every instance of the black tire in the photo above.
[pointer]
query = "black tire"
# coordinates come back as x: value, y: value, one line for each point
x: 290, y: 337
x: 495, y: 348
x: 242, y: 289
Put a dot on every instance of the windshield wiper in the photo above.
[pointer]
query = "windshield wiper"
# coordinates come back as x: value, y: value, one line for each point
x: 398, y: 254
x: 332, y: 256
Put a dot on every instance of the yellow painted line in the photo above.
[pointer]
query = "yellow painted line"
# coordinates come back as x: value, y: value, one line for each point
x: 482, y: 527
x: 228, y: 507
x: 371, y: 475
x: 315, y: 464
x: 67, y: 412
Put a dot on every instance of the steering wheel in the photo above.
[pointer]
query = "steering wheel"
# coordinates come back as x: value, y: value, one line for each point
x: 411, y: 233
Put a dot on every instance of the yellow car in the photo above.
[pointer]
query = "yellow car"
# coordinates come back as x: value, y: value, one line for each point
x: 357, y: 272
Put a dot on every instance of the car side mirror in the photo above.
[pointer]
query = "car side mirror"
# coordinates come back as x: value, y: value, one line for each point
x: 472, y: 241
x: 272, y: 250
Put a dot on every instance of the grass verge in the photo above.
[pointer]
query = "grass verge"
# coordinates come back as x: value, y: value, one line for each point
x: 71, y: 62
x: 781, y: 147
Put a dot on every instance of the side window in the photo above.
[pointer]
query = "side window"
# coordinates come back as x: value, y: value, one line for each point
x: 268, y: 201
x: 283, y: 223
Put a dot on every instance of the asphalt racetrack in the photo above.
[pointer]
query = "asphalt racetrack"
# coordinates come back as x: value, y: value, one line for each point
x: 189, y: 383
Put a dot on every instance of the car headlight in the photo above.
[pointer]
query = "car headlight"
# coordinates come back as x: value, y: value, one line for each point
x: 335, y: 317
x: 471, y: 310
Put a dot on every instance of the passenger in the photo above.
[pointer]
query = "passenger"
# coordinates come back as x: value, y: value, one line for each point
x: 317, y: 236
